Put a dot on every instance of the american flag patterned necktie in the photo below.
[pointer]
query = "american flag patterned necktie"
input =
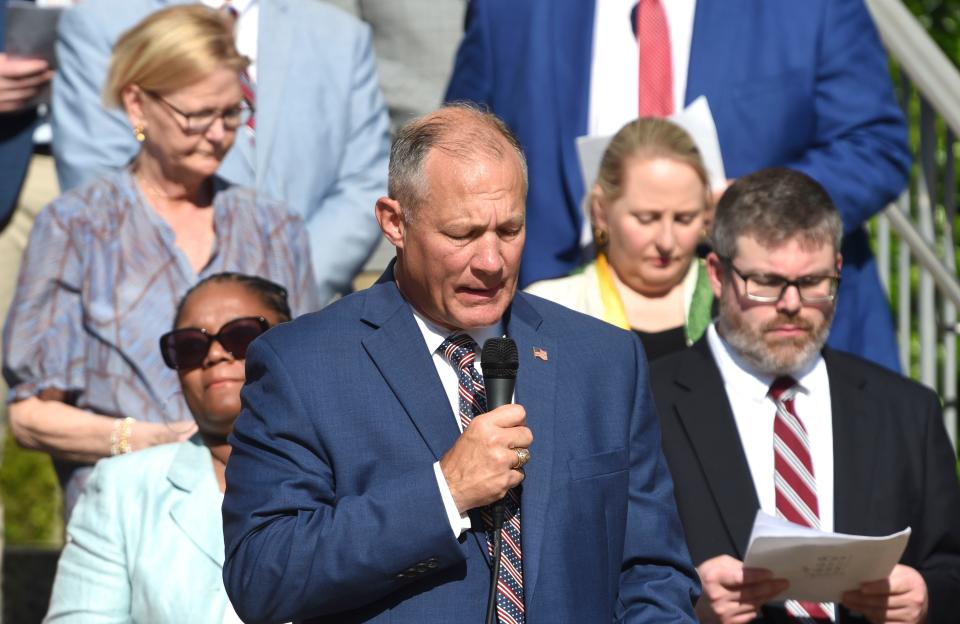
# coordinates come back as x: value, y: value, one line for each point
x: 460, y: 351
x: 795, y: 483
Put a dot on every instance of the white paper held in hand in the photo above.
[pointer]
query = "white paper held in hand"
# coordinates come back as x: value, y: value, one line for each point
x: 820, y: 566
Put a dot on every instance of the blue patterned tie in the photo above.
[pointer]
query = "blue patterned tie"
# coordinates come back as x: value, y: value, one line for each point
x: 460, y: 351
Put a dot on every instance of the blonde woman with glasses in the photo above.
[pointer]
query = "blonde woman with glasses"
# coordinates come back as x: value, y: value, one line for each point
x: 108, y: 262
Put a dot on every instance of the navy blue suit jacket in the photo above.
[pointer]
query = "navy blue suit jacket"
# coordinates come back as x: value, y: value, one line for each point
x: 797, y: 84
x: 16, y: 145
x: 332, y: 509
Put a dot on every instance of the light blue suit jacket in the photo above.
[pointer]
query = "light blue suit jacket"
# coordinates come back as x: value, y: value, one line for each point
x: 322, y: 137
x: 145, y: 542
x: 332, y: 508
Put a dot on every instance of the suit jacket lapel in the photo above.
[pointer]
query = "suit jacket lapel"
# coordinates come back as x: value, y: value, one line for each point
x: 709, y: 424
x: 854, y: 441
x: 573, y: 49
x: 274, y: 40
x: 536, y: 392
x: 400, y: 354
x: 196, y: 511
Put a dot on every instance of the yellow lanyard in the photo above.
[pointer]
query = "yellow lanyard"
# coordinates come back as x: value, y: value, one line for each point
x: 613, y: 310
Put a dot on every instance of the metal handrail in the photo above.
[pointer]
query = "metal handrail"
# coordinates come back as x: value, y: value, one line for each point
x: 922, y: 220
x: 930, y: 70
x: 925, y: 254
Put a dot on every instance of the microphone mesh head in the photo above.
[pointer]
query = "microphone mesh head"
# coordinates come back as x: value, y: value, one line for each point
x: 499, y: 358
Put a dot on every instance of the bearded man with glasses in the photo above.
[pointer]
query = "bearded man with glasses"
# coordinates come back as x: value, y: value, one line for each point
x: 759, y: 414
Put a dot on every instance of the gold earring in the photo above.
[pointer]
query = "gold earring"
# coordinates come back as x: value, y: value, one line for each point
x: 600, y: 237
x: 139, y: 134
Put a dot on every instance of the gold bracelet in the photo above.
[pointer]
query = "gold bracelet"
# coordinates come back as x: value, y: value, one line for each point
x: 120, y: 436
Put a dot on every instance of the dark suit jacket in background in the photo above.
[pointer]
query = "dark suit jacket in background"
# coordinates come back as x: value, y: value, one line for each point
x: 797, y: 84
x: 893, y: 466
x: 16, y: 144
x: 332, y: 508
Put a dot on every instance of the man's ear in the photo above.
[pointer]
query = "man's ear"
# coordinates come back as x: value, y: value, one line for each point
x: 715, y: 273
x: 839, y: 262
x: 390, y: 217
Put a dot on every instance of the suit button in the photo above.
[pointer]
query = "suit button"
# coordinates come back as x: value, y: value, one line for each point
x: 432, y: 563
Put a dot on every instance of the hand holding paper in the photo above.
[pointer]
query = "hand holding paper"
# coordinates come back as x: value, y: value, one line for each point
x: 821, y: 566
x: 733, y: 594
x: 901, y: 597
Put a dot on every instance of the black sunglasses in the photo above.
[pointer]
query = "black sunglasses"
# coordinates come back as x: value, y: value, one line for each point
x: 186, y: 348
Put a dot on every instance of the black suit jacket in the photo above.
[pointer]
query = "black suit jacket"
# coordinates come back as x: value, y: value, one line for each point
x: 893, y: 466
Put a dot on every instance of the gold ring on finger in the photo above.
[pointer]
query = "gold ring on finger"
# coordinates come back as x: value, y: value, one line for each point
x: 523, y: 456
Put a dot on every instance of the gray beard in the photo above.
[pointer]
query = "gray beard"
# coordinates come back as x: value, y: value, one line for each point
x: 750, y: 345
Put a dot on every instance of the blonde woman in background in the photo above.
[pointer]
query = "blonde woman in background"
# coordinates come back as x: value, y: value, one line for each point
x: 650, y: 208
x: 107, y: 262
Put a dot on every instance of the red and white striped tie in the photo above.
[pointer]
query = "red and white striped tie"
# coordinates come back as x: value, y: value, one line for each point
x: 656, y: 65
x: 795, y: 483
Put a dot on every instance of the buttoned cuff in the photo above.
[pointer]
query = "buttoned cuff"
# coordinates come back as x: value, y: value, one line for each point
x: 458, y: 522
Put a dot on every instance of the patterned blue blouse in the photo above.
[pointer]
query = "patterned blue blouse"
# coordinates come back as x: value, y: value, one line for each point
x: 100, y: 282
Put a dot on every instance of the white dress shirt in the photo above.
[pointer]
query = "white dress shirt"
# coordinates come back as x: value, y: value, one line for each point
x: 754, y: 413
x: 434, y: 336
x: 615, y: 66
x: 248, y: 15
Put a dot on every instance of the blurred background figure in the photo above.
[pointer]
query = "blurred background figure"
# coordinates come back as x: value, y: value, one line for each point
x: 145, y: 543
x: 320, y: 138
x: 108, y: 262
x: 21, y: 81
x: 796, y: 84
x: 650, y: 207
x: 415, y: 43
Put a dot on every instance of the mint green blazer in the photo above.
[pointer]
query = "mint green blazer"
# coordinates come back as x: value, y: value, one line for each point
x: 145, y: 542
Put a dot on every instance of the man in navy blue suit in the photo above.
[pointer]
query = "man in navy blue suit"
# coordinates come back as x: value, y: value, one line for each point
x: 358, y: 481
x: 803, y: 85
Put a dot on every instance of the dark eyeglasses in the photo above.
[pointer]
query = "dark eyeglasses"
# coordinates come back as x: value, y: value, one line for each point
x: 186, y: 348
x: 769, y: 288
x: 200, y: 122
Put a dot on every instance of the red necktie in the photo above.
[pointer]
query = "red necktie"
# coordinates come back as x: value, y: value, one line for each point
x: 795, y: 483
x: 246, y: 82
x: 656, y: 65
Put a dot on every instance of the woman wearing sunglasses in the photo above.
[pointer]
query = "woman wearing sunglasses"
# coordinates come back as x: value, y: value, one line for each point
x: 145, y: 542
x: 107, y: 263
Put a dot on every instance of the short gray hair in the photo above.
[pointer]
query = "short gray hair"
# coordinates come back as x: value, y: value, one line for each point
x: 773, y: 206
x: 460, y: 130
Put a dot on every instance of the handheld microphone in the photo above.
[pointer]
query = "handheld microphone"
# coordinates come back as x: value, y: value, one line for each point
x: 499, y: 362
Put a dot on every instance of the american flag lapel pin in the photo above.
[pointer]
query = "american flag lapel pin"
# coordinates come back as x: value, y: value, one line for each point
x: 540, y: 354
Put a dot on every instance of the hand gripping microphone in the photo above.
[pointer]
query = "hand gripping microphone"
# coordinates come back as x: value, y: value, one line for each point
x: 499, y: 362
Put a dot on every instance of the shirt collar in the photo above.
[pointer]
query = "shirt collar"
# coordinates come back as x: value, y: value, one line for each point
x: 741, y: 380
x: 434, y: 335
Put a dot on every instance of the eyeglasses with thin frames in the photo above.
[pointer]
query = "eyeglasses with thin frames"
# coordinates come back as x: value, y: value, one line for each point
x: 769, y: 287
x: 200, y: 121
